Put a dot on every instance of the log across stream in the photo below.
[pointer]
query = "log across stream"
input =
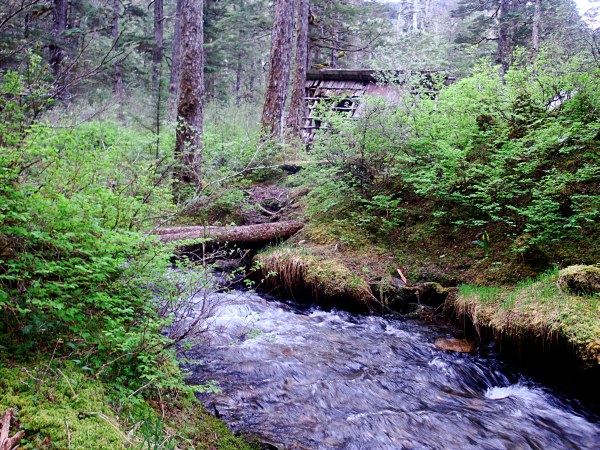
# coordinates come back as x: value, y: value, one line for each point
x: 255, y: 235
x: 311, y: 379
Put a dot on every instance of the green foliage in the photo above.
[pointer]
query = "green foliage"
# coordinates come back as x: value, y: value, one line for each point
x: 74, y: 265
x: 484, y: 243
x: 518, y: 156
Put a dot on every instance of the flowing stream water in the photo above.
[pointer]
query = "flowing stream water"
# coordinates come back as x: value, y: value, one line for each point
x: 310, y: 379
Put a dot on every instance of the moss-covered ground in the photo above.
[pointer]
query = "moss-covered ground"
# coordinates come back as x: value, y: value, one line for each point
x: 59, y: 407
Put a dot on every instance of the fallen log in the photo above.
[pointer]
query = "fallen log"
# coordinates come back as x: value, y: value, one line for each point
x: 243, y: 234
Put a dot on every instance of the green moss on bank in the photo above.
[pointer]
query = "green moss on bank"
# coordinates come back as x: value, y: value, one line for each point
x: 58, y: 407
x: 328, y: 281
x: 537, y: 308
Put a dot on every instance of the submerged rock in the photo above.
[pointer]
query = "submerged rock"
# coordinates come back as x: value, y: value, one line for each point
x: 455, y: 345
x: 580, y: 279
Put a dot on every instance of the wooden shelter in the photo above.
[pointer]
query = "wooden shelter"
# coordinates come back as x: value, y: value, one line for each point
x: 342, y: 90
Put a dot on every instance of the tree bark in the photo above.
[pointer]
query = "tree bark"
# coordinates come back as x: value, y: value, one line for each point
x: 245, y: 234
x: 157, y: 51
x: 535, y: 32
x: 279, y: 73
x: 415, y: 15
x: 238, y: 78
x: 57, y: 47
x: 191, y: 92
x: 503, y: 50
x: 296, y: 114
x: 117, y: 74
x: 175, y: 63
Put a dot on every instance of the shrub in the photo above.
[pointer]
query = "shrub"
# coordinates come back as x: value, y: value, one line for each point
x: 518, y: 155
x: 75, y: 269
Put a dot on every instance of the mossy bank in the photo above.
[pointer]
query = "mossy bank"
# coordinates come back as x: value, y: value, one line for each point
x: 540, y: 316
x: 58, y: 406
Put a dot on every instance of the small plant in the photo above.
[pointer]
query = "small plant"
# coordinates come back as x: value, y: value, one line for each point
x: 484, y: 243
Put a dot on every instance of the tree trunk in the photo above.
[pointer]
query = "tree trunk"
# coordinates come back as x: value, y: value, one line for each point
x: 535, y: 32
x: 238, y: 79
x: 175, y: 63
x: 157, y: 51
x: 191, y: 92
x: 118, y: 74
x: 279, y: 73
x: 296, y: 115
x: 415, y: 15
x: 244, y: 234
x: 503, y: 50
x: 57, y: 47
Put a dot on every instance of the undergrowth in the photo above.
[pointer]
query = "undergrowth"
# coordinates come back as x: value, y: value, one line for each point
x: 82, y: 282
x: 490, y: 162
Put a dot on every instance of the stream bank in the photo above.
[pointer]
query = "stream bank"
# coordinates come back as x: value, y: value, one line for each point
x: 304, y: 374
x: 536, y: 324
x: 417, y: 272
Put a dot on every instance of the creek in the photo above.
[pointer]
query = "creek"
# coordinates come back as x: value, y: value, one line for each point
x: 311, y: 379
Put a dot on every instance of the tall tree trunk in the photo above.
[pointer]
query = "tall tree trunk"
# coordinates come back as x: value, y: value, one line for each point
x: 57, y: 47
x: 279, y: 73
x: 117, y: 74
x: 252, y: 80
x: 175, y: 63
x: 415, y: 15
x: 503, y: 50
x: 191, y: 92
x: 535, y: 32
x: 157, y: 51
x: 296, y: 115
x: 238, y: 78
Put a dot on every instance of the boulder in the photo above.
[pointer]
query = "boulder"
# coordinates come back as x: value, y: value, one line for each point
x: 580, y: 280
x: 434, y: 294
x: 455, y: 345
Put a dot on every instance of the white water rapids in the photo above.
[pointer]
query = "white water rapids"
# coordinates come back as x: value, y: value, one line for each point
x: 331, y: 380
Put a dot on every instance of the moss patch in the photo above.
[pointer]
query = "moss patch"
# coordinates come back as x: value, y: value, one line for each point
x: 60, y: 409
x: 536, y: 308
x: 580, y: 279
x: 192, y: 426
x: 295, y: 271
